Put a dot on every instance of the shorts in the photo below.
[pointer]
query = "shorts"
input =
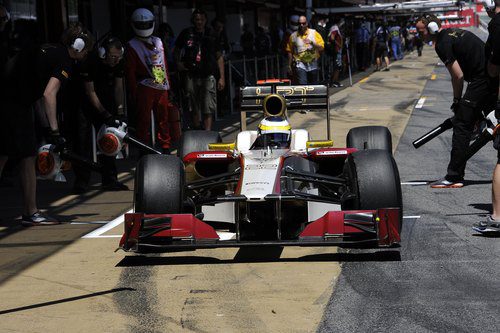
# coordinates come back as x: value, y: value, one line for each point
x: 380, y: 50
x: 201, y: 94
x: 17, y: 137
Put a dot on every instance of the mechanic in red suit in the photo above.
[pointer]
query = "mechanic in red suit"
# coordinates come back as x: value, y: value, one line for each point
x: 147, y: 79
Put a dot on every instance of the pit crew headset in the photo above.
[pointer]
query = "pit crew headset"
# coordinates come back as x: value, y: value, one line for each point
x: 489, y: 5
x: 80, y: 42
x: 103, y: 48
x: 432, y: 23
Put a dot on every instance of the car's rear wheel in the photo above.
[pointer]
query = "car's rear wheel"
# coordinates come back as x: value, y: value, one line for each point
x: 370, y: 137
x: 197, y: 141
x: 373, y: 178
x: 159, y: 185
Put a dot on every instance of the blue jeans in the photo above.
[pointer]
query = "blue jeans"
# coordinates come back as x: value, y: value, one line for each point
x: 396, y: 49
x: 305, y: 77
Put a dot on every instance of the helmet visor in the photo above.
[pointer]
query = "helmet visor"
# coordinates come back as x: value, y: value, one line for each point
x: 143, y: 25
x: 272, y: 140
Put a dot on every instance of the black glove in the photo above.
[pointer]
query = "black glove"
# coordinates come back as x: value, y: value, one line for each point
x: 113, y: 121
x: 54, y: 138
x: 454, y: 105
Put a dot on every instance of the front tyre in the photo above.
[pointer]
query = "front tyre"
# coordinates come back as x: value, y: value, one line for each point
x: 159, y: 185
x: 373, y: 178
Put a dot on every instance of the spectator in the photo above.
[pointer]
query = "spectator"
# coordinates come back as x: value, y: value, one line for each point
x: 262, y: 43
x: 395, y: 35
x: 362, y: 36
x: 222, y: 41
x: 50, y: 66
x: 412, y: 33
x: 199, y: 59
x: 147, y: 79
x: 102, y: 73
x: 304, y: 48
x: 380, y: 44
x: 293, y: 25
x: 336, y: 42
x: 247, y: 42
x: 167, y: 36
x: 220, y: 34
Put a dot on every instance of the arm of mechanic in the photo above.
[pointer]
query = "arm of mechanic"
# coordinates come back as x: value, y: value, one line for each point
x: 94, y: 99
x: 457, y: 79
x: 119, y: 96
x: 50, y: 102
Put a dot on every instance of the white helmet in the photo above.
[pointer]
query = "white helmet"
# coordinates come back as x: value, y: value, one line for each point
x: 143, y: 22
x: 489, y: 5
x: 294, y: 22
x: 274, y: 132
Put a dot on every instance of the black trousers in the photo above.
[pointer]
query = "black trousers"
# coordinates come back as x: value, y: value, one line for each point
x: 82, y: 145
x: 478, y: 96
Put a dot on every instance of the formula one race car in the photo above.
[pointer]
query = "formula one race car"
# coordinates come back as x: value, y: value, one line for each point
x: 272, y: 186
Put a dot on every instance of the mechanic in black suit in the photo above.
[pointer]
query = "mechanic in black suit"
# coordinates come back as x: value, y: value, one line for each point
x: 463, y: 54
x: 35, y: 74
x: 102, y: 74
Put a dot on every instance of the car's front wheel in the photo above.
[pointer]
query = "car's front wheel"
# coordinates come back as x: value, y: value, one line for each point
x: 159, y: 185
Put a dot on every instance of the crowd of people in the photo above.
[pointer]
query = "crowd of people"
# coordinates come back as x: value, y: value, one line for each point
x: 79, y: 82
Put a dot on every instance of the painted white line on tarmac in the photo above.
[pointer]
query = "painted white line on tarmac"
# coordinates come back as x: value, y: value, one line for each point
x: 414, y: 183
x: 92, y: 222
x: 412, y: 217
x: 98, y: 232
x: 420, y: 102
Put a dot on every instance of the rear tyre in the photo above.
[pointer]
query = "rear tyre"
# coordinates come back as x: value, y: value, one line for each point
x: 370, y: 137
x: 197, y: 141
x: 159, y: 185
x: 373, y: 178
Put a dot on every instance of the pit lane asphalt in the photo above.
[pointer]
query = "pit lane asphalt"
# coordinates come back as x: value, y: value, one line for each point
x: 444, y: 278
x: 81, y: 285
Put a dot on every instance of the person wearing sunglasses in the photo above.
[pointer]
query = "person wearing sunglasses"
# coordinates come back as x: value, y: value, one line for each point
x: 304, y: 48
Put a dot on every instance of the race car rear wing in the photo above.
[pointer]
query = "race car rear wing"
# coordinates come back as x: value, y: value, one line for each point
x: 303, y: 98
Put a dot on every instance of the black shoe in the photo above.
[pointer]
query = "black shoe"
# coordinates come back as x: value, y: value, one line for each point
x: 38, y: 219
x: 166, y: 151
x: 337, y: 85
x: 115, y: 186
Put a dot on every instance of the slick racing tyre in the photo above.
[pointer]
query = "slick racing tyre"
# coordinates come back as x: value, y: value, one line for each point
x: 159, y: 185
x: 373, y: 177
x: 197, y: 141
x: 370, y: 137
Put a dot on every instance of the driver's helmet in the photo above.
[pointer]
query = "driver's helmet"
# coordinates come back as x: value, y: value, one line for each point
x: 143, y: 22
x: 274, y: 132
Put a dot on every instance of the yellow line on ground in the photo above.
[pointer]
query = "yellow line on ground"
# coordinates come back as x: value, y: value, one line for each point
x: 364, y: 80
x: 433, y: 76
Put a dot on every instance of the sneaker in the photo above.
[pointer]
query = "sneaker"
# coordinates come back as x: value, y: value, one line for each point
x: 387, y: 69
x: 443, y: 183
x: 38, y: 219
x: 490, y: 225
x: 337, y: 85
x: 115, y: 186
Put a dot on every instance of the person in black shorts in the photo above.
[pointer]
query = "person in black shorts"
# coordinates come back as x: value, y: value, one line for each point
x: 380, y: 44
x: 463, y: 54
x: 33, y: 74
x: 102, y: 73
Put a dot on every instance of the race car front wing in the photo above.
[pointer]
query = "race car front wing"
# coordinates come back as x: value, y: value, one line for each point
x: 161, y: 232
